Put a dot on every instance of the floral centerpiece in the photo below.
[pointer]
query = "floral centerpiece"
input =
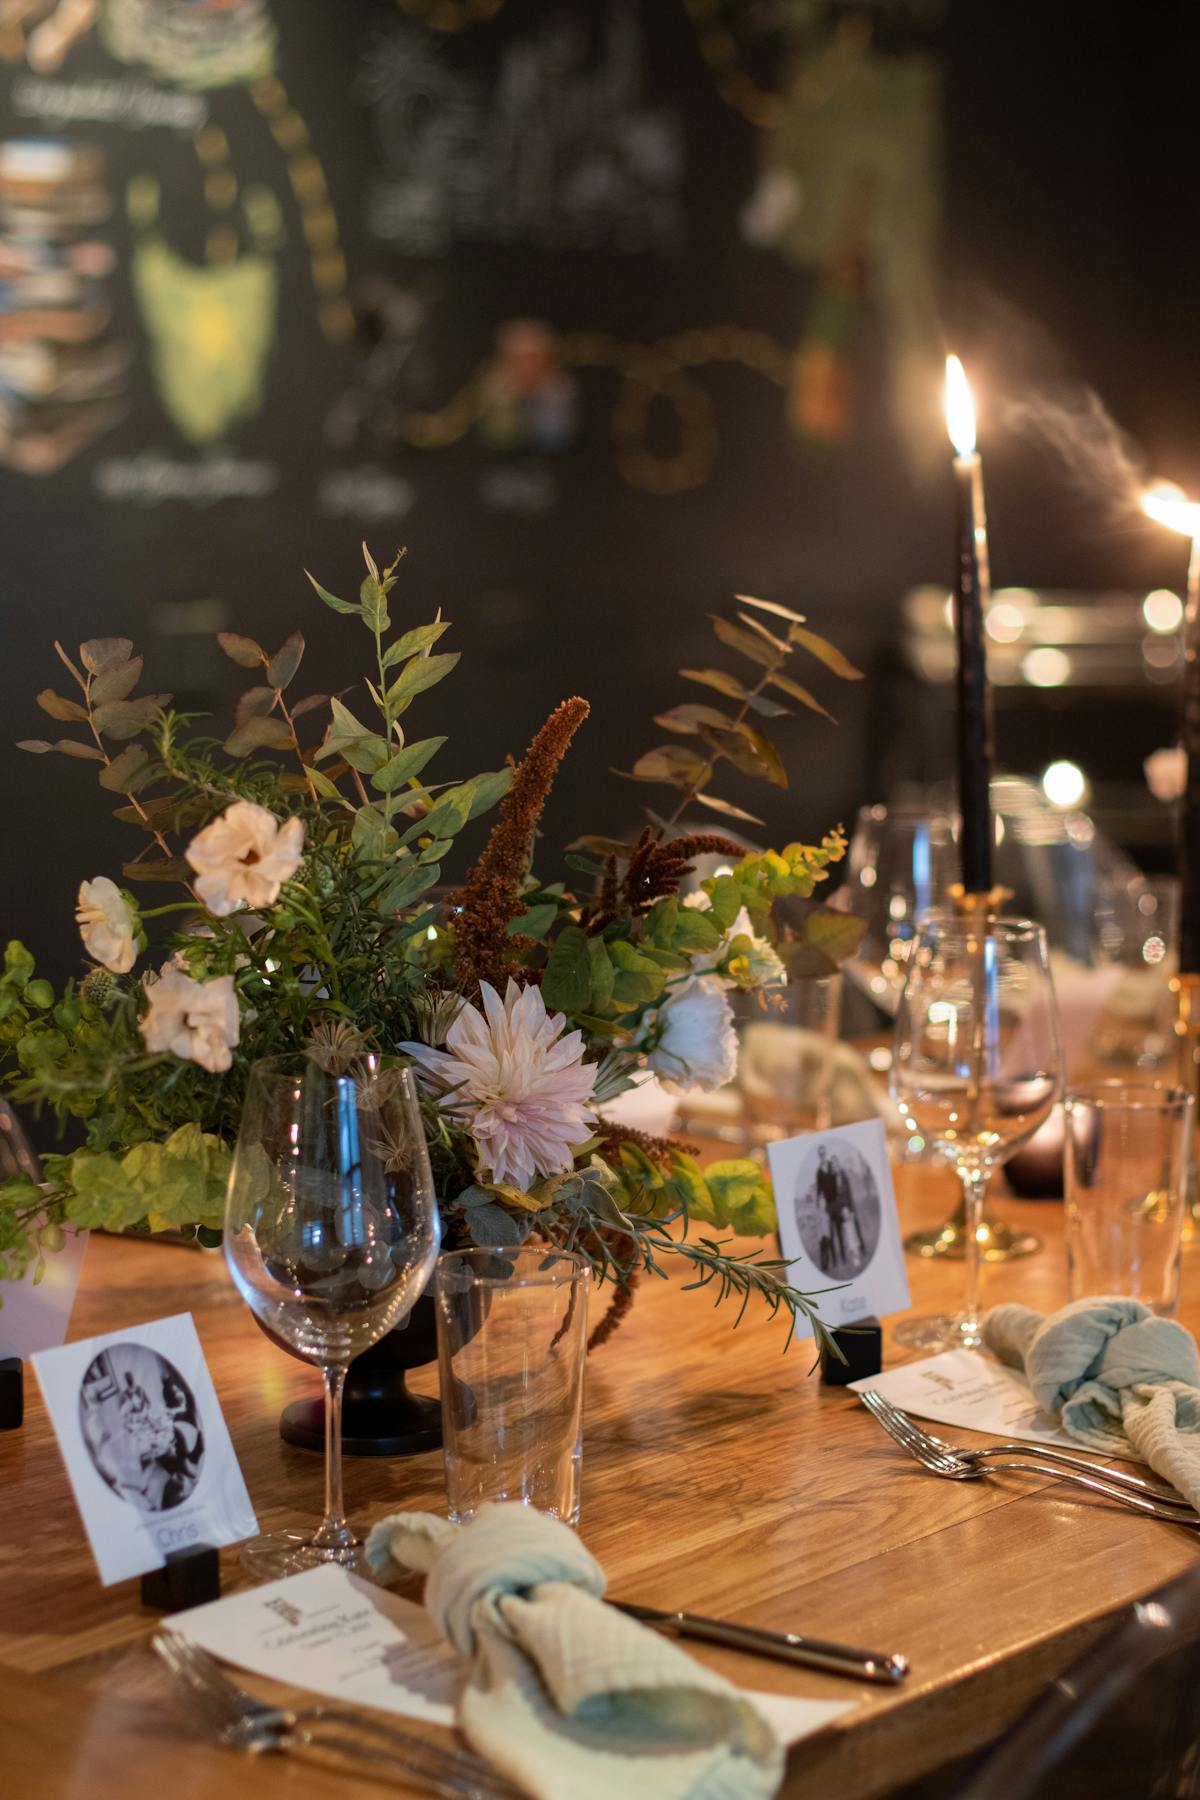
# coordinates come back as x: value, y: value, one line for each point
x: 303, y: 908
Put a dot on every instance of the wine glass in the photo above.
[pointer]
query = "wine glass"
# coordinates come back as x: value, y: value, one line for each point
x: 901, y: 862
x: 976, y: 1066
x: 331, y: 1233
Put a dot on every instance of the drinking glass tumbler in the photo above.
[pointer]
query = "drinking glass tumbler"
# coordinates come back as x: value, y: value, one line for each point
x: 1127, y: 1153
x: 512, y: 1336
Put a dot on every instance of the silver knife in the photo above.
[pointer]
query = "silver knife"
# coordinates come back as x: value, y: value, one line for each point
x: 786, y: 1646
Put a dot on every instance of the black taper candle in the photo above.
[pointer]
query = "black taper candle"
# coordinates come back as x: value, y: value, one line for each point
x: 971, y: 590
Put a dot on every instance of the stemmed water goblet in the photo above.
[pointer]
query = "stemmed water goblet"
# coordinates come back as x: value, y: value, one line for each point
x: 902, y: 860
x: 976, y: 1067
x: 331, y: 1233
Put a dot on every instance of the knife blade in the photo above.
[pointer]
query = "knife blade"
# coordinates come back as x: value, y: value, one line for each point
x: 785, y: 1646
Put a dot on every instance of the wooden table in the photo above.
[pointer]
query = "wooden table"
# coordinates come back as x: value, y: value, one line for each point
x: 718, y: 1475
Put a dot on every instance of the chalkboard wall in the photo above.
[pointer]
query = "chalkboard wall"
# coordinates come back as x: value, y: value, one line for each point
x: 608, y: 310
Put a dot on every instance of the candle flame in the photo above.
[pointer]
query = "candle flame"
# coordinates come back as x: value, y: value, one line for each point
x: 960, y: 408
x: 1168, y: 505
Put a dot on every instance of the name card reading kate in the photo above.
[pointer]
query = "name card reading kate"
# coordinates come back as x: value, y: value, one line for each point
x: 838, y: 1225
x: 147, y: 1450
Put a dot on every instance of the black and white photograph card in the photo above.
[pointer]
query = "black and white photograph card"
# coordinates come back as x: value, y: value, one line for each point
x: 147, y: 1450
x: 838, y: 1225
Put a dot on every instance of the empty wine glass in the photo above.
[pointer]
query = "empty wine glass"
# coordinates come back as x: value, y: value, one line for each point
x: 976, y: 1066
x: 901, y: 862
x: 331, y: 1233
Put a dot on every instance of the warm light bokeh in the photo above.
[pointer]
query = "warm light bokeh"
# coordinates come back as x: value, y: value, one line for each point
x: 1168, y: 505
x: 960, y: 408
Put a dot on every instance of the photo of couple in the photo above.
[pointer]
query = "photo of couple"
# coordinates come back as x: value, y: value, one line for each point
x: 141, y: 1427
x: 837, y: 1210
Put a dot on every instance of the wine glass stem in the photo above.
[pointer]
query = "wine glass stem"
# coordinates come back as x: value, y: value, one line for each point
x: 333, y: 1531
x: 974, y: 1185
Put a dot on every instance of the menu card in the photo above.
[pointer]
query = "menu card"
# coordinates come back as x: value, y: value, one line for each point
x: 969, y: 1388
x: 340, y: 1636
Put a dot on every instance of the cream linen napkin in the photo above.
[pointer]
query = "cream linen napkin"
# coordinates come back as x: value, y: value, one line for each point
x: 1119, y: 1379
x: 565, y: 1695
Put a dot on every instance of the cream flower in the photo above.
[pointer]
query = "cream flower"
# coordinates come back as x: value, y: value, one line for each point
x: 244, y: 857
x: 752, y: 963
x: 522, y: 1084
x: 195, y: 1020
x: 106, y: 924
x: 697, y: 1043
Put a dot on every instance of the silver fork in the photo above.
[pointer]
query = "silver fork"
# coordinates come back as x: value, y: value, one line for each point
x: 955, y: 1465
x: 246, y: 1723
x: 1069, y: 1459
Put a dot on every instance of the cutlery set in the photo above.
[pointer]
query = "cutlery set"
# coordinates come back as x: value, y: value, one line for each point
x: 241, y: 1721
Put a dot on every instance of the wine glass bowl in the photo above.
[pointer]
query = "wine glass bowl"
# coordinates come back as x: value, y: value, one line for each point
x: 976, y: 1064
x: 901, y: 862
x: 331, y: 1234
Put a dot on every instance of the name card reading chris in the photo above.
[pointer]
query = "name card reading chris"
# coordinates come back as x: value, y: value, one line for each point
x: 838, y: 1225
x: 147, y: 1450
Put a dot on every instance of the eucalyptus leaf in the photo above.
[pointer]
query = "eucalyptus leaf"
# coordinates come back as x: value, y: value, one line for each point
x: 413, y: 881
x: 99, y: 654
x: 65, y: 711
x: 121, y: 774
x: 727, y: 809
x: 450, y: 813
x: 258, y: 734
x: 242, y: 650
x: 690, y: 718
x: 825, y: 652
x: 771, y: 606
x: 83, y: 752
x: 490, y: 1224
x: 35, y: 746
x: 255, y: 703
x: 165, y: 868
x: 324, y: 786
x: 673, y: 763
x: 746, y: 643
x: 310, y: 703
x: 125, y: 718
x: 716, y: 678
x: 282, y: 667
x: 768, y: 637
x: 372, y: 837
x: 798, y: 692
x: 117, y: 681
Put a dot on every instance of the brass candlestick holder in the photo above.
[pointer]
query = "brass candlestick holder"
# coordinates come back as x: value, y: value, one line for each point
x: 997, y: 1241
x: 1186, y: 989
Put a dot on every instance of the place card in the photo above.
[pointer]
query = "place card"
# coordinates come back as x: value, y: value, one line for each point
x: 968, y: 1388
x: 838, y: 1226
x: 34, y: 1315
x: 147, y: 1450
x: 342, y: 1637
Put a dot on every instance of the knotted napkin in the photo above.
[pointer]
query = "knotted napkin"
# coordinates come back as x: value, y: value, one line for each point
x: 1118, y: 1378
x: 564, y: 1694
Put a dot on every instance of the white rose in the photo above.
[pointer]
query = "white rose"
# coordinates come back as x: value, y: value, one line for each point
x: 106, y: 924
x: 195, y: 1020
x: 697, y: 1045
x: 1166, y: 773
x: 244, y: 857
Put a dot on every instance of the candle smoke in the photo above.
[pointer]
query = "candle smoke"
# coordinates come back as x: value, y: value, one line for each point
x: 1099, y: 461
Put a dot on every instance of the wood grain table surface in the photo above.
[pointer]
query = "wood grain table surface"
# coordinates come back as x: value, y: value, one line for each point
x: 719, y: 1475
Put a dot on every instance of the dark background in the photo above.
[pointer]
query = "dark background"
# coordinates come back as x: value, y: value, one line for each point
x: 1068, y: 256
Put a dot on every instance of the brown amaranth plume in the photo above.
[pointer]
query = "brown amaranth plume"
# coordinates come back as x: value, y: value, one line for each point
x: 491, y: 895
x: 654, y: 871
